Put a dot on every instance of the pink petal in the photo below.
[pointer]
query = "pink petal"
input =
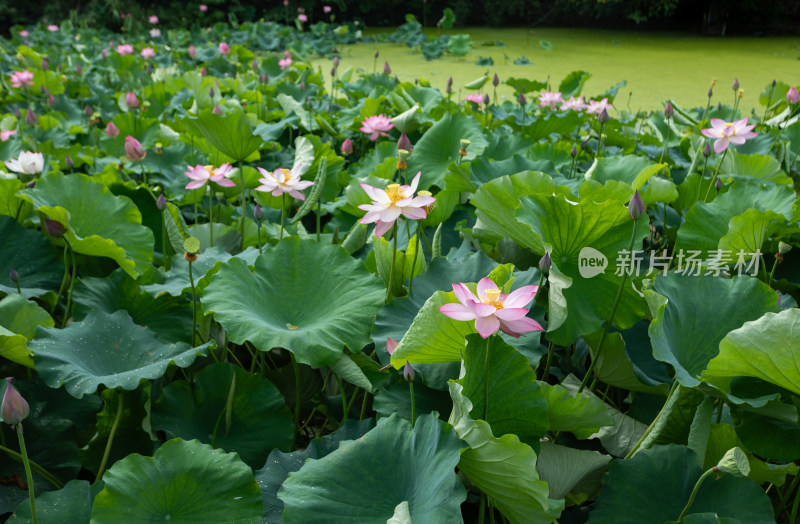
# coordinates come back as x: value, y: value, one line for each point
x: 520, y: 297
x: 736, y: 139
x: 480, y: 309
x: 711, y: 133
x: 483, y: 285
x: 298, y: 195
x: 369, y: 218
x: 225, y: 182
x: 721, y: 144
x: 457, y: 311
x: 278, y: 191
x: 390, y: 214
x: 391, y: 345
x: 195, y: 184
x: 420, y: 201
x: 378, y: 195
x: 717, y: 123
x: 414, y: 213
x: 487, y: 326
x: 303, y: 184
x: 512, y: 313
x: 463, y: 293
x: 382, y: 227
x: 523, y: 325
x: 415, y: 182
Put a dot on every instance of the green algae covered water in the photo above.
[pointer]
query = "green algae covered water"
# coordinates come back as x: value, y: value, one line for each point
x: 656, y: 66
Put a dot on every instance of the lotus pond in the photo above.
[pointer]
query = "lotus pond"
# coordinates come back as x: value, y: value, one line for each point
x: 235, y: 289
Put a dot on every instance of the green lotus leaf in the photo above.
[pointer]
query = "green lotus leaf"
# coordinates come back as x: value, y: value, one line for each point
x: 615, y: 368
x: 633, y: 170
x: 496, y: 201
x: 185, y: 482
x: 230, y: 133
x: 566, y: 411
x: 10, y: 204
x: 19, y: 319
x: 693, y: 314
x: 98, y: 223
x: 348, y: 484
x: 748, y: 231
x: 309, y: 298
x: 459, y: 45
x: 542, y: 127
x: 257, y: 421
x: 38, y: 264
x: 572, y: 84
x: 176, y: 281
x: 280, y: 464
x: 72, y: 503
x: 573, y: 229
x: 167, y: 316
x: 764, y: 348
x: 762, y: 167
x: 568, y: 469
x: 504, y: 468
x: 706, y: 224
x: 396, y: 398
x: 439, y: 146
x: 631, y: 497
x: 108, y: 349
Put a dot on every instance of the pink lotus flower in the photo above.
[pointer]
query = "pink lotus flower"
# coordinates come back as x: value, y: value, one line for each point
x: 475, y: 98
x: 147, y: 53
x: 283, y: 181
x: 153, y: 19
x: 155, y: 32
x: 125, y: 49
x: 728, y: 133
x: 14, y: 409
x: 387, y: 205
x: 347, y: 147
x: 303, y: 18
x: 375, y: 126
x: 595, y: 107
x: 326, y: 9
x: 24, y: 33
x: 492, y: 310
x: 224, y: 48
x: 793, y: 96
x: 133, y: 149
x: 130, y: 100
x: 203, y: 8
x: 550, y: 99
x: 576, y: 105
x: 192, y: 51
x: 284, y: 63
x: 27, y: 163
x: 5, y: 135
x: 202, y: 174
x: 52, y: 28
x: 111, y: 130
x: 21, y: 78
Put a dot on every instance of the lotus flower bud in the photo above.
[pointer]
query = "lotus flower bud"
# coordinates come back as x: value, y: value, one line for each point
x: 404, y: 143
x: 544, y: 263
x: 44, y: 65
x: 87, y: 110
x: 78, y: 69
x: 521, y: 99
x: 302, y: 86
x: 131, y: 100
x: 783, y: 247
x: 192, y: 52
x: 104, y: 53
x: 669, y: 110
x: 203, y: 71
x: 574, y: 152
x: 13, y: 276
x: 333, y: 71
x: 793, y: 95
x: 258, y: 213
x: 17, y: 113
x: 30, y: 117
x: 111, y: 130
x: 254, y: 65
x: 335, y: 62
x: 265, y: 78
x: 408, y: 372
x: 51, y: 100
x: 718, y: 185
x: 217, y: 110
x: 161, y: 202
x: 486, y: 99
x: 636, y: 206
x: 54, y: 228
x: 133, y: 149
x: 603, y: 116
x: 31, y: 184
x: 386, y: 69
x: 495, y: 80
x: 774, y: 82
x: 347, y: 147
x: 450, y: 86
x: 735, y: 84
x: 68, y: 162
x: 585, y: 145
x: 211, y: 92
x: 707, y: 150
x: 377, y: 54
x: 710, y: 92
x: 734, y: 462
x: 14, y: 409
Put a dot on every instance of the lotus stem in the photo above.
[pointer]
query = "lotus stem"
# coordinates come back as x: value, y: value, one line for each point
x: 298, y: 397
x: 414, y: 260
x: 546, y: 372
x: 28, y: 475
x: 486, y: 379
x: 283, y: 213
x: 49, y: 477
x: 194, y: 306
x: 210, y: 217
x: 714, y: 178
x: 413, y: 404
x: 394, y: 257
x: 649, y: 429
x: 71, y: 283
x: 110, y: 441
x: 607, y: 324
x: 695, y: 490
x: 244, y: 202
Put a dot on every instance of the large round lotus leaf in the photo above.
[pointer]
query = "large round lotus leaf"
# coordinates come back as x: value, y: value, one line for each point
x: 105, y: 349
x: 185, y: 482
x: 693, y: 314
x: 631, y: 496
x: 364, y: 480
x: 309, y: 298
x: 19, y: 318
x: 72, y: 503
x: 257, y: 422
x: 98, y: 223
x: 38, y: 264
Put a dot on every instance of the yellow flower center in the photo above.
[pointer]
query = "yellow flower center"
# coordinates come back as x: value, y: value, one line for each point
x: 287, y: 175
x: 728, y: 124
x: 493, y: 298
x: 394, y: 193
x: 210, y: 170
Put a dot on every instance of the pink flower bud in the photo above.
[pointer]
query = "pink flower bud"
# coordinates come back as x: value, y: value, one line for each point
x: 111, y: 130
x: 87, y: 110
x: 669, y: 110
x: 192, y: 51
x: 14, y: 409
x: 495, y: 80
x: 224, y: 48
x: 68, y: 163
x: 44, y: 65
x: 30, y: 117
x: 335, y: 61
x: 793, y: 96
x: 386, y: 69
x: 130, y: 100
x: 636, y: 206
x: 544, y: 263
x: 404, y: 143
x: 51, y: 100
x: 408, y: 372
x: 258, y: 213
x: 161, y: 202
x: 347, y: 147
x: 133, y: 149
x: 203, y: 8
x: 13, y: 276
x: 54, y: 228
x: 217, y: 110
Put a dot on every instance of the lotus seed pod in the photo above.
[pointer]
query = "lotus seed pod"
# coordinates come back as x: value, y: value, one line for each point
x: 734, y: 462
